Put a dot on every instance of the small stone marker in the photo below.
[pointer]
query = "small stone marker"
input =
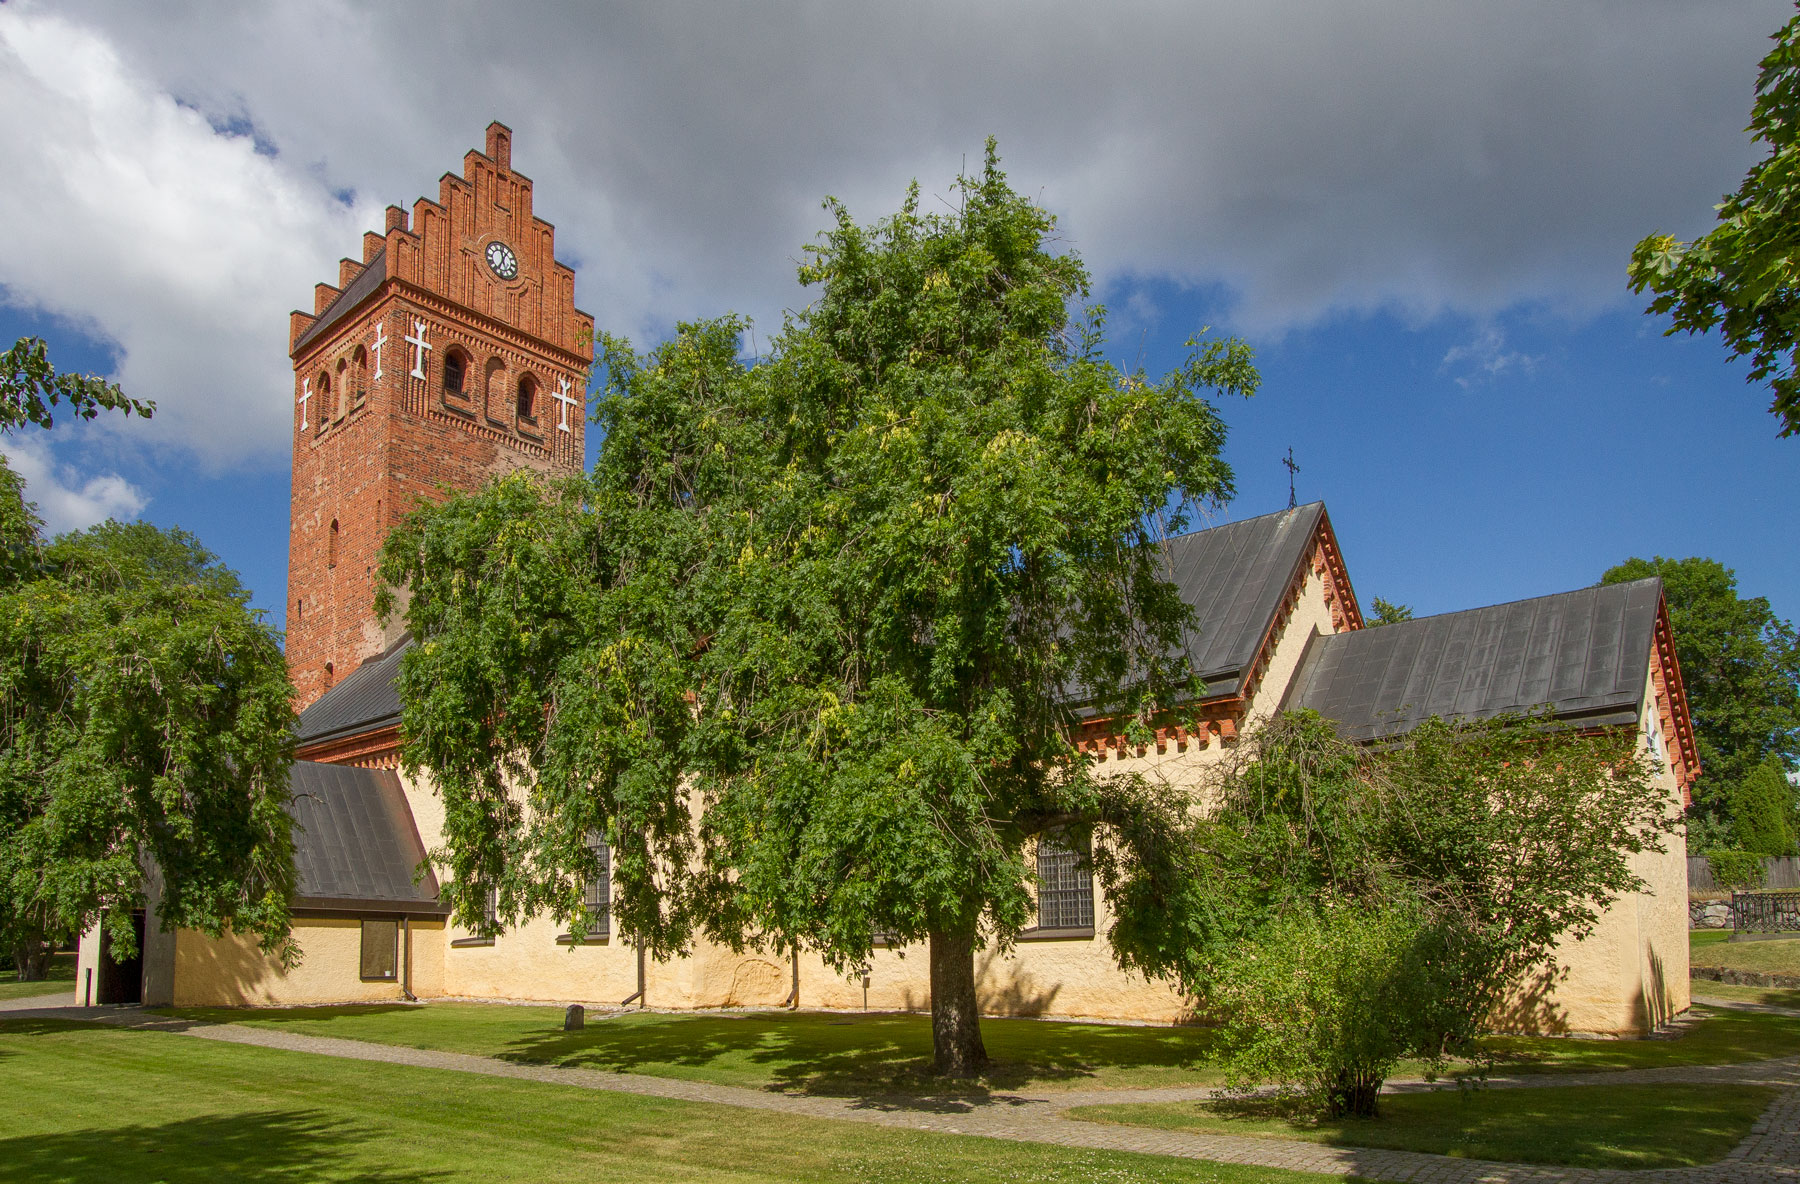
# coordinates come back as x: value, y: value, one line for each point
x: 575, y: 1018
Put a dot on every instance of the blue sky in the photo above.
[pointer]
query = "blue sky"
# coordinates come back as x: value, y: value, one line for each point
x: 1419, y: 214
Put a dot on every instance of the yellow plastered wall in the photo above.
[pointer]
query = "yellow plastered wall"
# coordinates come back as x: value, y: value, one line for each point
x: 232, y: 971
x: 1631, y: 973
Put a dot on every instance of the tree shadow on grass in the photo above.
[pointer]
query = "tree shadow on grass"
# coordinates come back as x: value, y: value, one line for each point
x: 882, y: 1059
x: 270, y: 1147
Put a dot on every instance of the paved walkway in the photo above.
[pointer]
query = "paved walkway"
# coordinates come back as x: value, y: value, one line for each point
x: 1770, y: 1154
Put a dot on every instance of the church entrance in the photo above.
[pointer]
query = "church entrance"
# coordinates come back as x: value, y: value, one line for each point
x: 122, y: 980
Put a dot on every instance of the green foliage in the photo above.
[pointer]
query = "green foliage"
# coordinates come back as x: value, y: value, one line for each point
x: 1740, y: 664
x: 1743, y: 277
x: 1468, y: 848
x: 144, y: 720
x: 1762, y: 810
x: 1387, y: 613
x: 30, y: 387
x: 1735, y: 869
x: 801, y: 644
x: 1330, y: 998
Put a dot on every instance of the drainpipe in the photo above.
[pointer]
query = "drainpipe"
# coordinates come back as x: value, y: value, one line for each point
x: 637, y: 996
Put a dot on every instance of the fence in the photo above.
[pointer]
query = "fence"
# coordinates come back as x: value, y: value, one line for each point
x: 1782, y: 873
x: 1765, y: 912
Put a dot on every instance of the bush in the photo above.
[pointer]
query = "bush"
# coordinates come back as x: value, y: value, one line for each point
x: 1761, y: 805
x: 1735, y: 869
x: 1326, y: 1001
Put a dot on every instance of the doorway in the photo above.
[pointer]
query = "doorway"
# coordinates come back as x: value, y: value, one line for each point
x: 122, y: 980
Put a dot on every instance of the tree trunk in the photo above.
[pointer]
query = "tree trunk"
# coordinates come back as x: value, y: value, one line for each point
x: 30, y: 960
x: 1354, y: 1095
x: 955, y: 1020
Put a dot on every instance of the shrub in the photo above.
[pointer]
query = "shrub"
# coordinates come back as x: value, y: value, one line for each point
x: 1328, y: 1000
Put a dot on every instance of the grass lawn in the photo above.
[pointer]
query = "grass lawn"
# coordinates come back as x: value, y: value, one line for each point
x: 1599, y: 1126
x: 1767, y: 996
x: 88, y: 1103
x: 856, y: 1054
x: 814, y: 1052
x: 1714, y: 947
x: 1721, y: 1038
x: 59, y: 976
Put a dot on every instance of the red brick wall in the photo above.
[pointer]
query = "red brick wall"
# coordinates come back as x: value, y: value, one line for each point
x: 363, y: 462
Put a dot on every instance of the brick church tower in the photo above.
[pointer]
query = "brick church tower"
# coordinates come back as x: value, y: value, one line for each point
x: 452, y: 353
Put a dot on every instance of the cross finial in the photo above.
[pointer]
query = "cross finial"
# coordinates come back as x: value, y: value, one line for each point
x: 304, y: 399
x: 420, y: 345
x: 567, y: 400
x: 380, y: 340
x: 1292, y: 468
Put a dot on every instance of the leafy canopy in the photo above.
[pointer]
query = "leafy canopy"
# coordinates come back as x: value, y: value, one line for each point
x: 1344, y: 908
x: 144, y: 717
x: 804, y: 643
x: 30, y: 386
x: 1740, y: 664
x: 1743, y: 277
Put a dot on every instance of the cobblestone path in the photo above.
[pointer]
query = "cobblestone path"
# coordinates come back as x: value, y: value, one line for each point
x: 1770, y: 1154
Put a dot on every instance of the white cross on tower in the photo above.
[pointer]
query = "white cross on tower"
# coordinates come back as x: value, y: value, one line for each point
x: 567, y: 400
x: 420, y: 345
x: 305, y: 397
x: 380, y: 340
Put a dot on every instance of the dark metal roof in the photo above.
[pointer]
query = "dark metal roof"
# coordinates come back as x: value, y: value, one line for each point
x: 365, y: 700
x: 1236, y: 576
x: 354, y: 841
x: 1583, y: 654
x: 360, y: 288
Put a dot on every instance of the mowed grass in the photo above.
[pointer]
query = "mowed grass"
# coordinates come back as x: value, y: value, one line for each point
x: 59, y: 979
x: 834, y: 1053
x: 1732, y: 993
x: 1714, y: 948
x: 89, y: 1103
x: 865, y: 1055
x: 1599, y: 1126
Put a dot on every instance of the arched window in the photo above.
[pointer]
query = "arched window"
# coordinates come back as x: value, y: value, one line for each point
x: 325, y: 404
x: 528, y: 399
x: 331, y: 545
x: 300, y: 609
x: 343, y: 389
x: 493, y: 389
x: 456, y: 365
x: 329, y: 670
x: 359, y: 370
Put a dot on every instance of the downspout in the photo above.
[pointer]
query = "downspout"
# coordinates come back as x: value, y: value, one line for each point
x: 637, y: 996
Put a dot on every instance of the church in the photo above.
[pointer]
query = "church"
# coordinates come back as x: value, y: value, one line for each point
x: 452, y: 351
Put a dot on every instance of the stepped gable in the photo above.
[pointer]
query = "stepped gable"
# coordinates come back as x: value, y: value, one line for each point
x: 452, y: 353
x: 355, y: 845
x: 1583, y: 655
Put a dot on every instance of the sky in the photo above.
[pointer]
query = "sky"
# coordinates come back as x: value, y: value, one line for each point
x: 1418, y: 214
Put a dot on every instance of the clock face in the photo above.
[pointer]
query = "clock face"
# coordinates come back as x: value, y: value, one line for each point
x: 501, y: 261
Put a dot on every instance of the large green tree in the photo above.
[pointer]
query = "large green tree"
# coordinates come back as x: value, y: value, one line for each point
x: 1743, y: 277
x: 1741, y: 666
x: 144, y: 719
x: 804, y: 646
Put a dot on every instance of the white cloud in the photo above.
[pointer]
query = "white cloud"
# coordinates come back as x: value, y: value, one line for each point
x: 127, y: 214
x: 1486, y: 358
x: 1305, y: 160
x: 65, y: 500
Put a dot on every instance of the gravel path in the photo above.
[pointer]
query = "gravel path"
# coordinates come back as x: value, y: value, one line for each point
x: 1771, y: 1152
